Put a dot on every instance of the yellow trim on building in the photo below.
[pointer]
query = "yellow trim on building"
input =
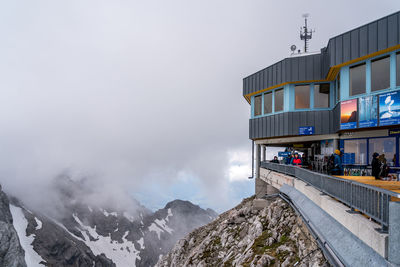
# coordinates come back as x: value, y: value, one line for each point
x: 333, y: 72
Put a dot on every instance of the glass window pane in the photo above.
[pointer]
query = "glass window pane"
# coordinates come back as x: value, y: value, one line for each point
x: 279, y: 100
x: 358, y: 148
x: 386, y: 146
x: 268, y: 103
x: 357, y: 80
x: 302, y: 96
x: 380, y: 74
x: 257, y: 105
x: 398, y: 69
x: 321, y: 95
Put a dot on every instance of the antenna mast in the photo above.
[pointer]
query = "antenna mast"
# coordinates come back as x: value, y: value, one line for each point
x: 305, y: 33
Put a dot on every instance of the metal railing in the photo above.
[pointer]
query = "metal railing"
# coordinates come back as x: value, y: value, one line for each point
x: 370, y: 200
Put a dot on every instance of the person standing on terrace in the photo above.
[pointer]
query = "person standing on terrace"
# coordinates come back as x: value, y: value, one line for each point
x: 296, y: 160
x: 337, y: 163
x: 275, y: 160
x: 376, y: 166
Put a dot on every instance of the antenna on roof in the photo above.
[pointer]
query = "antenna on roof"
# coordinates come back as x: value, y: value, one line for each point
x: 293, y: 48
x: 305, y: 33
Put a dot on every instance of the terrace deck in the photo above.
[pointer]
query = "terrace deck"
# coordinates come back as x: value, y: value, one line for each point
x: 393, y: 186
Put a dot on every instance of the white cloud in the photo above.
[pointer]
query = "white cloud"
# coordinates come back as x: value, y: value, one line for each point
x: 136, y: 93
x: 239, y: 167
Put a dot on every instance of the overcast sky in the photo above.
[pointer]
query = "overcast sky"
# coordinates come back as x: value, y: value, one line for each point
x: 145, y: 95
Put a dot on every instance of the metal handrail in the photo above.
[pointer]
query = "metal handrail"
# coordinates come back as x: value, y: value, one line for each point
x: 370, y: 200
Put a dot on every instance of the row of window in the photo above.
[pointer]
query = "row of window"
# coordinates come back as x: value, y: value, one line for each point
x: 380, y: 75
x: 379, y: 80
x: 273, y: 101
x: 278, y: 99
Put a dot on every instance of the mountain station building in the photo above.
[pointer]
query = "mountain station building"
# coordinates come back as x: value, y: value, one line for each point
x: 345, y: 97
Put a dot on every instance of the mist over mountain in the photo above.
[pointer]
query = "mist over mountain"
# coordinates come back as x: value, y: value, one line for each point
x: 78, y: 227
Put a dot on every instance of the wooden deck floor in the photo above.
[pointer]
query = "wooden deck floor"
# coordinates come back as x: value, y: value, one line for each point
x: 370, y: 180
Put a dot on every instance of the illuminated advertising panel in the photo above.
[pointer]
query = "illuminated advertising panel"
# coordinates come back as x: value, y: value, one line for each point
x: 389, y: 108
x: 348, y: 114
x: 368, y: 111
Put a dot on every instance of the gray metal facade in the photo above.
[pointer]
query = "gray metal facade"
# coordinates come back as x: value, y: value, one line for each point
x: 288, y: 123
x: 367, y: 39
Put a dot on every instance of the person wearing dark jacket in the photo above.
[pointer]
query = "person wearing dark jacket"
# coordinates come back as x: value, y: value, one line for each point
x: 304, y: 160
x: 337, y: 163
x: 376, y: 166
x: 275, y: 160
x: 288, y: 159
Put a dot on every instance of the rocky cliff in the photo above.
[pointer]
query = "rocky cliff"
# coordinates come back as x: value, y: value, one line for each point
x: 11, y: 252
x: 247, y: 236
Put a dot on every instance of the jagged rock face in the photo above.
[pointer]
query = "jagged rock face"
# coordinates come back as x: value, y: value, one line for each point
x: 86, y: 234
x: 11, y: 252
x: 178, y: 218
x: 244, y: 236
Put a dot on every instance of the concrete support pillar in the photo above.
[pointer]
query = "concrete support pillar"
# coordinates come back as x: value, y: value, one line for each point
x: 258, y: 155
x: 272, y: 190
x: 264, y: 152
x: 394, y: 233
x: 263, y: 188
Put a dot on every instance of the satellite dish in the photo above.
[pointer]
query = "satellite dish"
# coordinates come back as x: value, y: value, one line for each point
x: 293, y: 48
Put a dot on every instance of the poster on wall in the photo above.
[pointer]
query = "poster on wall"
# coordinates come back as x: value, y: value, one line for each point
x: 389, y: 108
x: 348, y: 114
x: 368, y: 111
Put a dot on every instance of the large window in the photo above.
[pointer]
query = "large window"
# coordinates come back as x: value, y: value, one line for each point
x: 380, y: 74
x: 321, y: 95
x: 386, y: 146
x: 279, y: 100
x: 257, y: 105
x: 357, y: 80
x: 267, y: 103
x: 357, y: 147
x: 302, y: 96
x: 398, y: 69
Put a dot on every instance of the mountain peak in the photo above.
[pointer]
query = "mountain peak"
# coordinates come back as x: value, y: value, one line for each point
x: 185, y: 207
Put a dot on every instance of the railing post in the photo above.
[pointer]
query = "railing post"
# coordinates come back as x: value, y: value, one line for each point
x: 394, y: 233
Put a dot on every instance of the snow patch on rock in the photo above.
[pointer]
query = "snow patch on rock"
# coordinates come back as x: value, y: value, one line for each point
x: 32, y: 258
x: 141, y: 243
x: 39, y: 224
x: 122, y: 254
x: 109, y: 213
x: 163, y: 225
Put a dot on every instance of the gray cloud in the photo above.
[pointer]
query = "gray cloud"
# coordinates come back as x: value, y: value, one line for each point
x: 132, y: 92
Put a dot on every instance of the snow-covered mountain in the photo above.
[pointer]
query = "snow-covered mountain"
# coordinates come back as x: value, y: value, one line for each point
x: 86, y: 234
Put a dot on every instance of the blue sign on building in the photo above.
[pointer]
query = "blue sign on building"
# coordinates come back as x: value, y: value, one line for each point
x: 306, y: 130
x: 283, y: 154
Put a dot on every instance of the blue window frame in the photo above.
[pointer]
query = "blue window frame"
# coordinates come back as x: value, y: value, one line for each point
x: 388, y: 145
